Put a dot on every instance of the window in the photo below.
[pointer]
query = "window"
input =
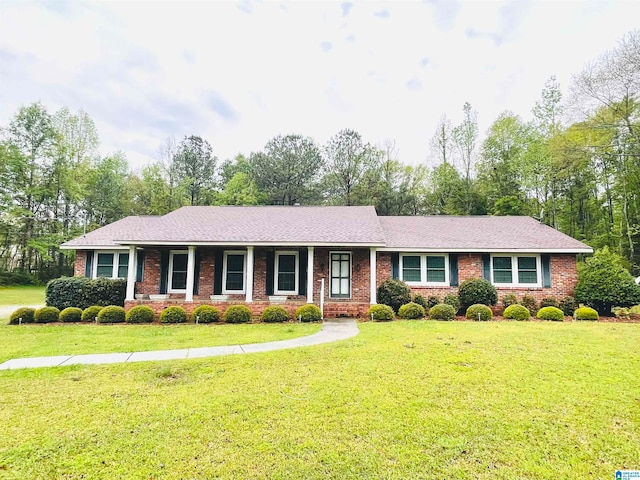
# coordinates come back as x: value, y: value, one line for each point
x: 424, y: 269
x: 111, y: 265
x: 514, y: 270
x: 286, y: 273
x: 178, y: 271
x: 340, y: 266
x: 233, y: 272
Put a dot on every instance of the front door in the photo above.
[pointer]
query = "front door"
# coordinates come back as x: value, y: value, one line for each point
x: 340, y: 264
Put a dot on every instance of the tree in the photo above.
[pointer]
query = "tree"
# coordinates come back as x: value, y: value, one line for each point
x: 465, y: 139
x: 241, y: 190
x: 604, y: 283
x: 195, y: 166
x: 287, y: 170
x: 108, y: 197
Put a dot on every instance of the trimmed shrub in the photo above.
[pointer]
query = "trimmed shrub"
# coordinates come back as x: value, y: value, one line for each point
x: 89, y: 314
x: 442, y: 311
x: 309, y: 313
x: 509, y: 299
x: 635, y: 310
x: 18, y: 278
x: 394, y: 293
x: 550, y: 313
x: 477, y: 291
x: 451, y: 299
x: 26, y: 313
x: 529, y: 302
x: 237, y: 314
x: 84, y: 292
x: 46, y: 315
x: 480, y: 312
x: 274, y: 314
x: 71, y: 314
x: 112, y: 314
x: 173, y: 314
x: 140, y: 314
x: 568, y: 306
x: 604, y: 283
x: 432, y: 301
x: 621, y: 313
x: 420, y: 300
x: 586, y: 313
x: 380, y: 312
x: 549, y: 302
x: 206, y: 314
x: 516, y: 312
x: 411, y: 311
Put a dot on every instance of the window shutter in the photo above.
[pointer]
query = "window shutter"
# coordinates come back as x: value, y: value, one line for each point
x: 88, y: 263
x: 218, y: 259
x: 164, y: 270
x: 486, y: 266
x: 140, y: 266
x: 302, y: 275
x: 546, y: 271
x: 271, y: 258
x: 453, y: 269
x: 196, y: 273
x: 395, y: 265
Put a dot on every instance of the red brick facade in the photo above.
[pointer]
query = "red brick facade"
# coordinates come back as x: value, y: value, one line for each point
x: 563, y: 280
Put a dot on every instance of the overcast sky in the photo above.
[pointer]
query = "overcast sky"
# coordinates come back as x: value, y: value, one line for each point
x: 239, y: 73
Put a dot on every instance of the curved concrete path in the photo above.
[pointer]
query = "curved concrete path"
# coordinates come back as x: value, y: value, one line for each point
x: 332, y: 330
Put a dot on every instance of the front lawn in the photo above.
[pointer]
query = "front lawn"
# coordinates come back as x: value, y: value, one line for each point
x: 59, y: 339
x: 412, y: 399
x: 22, y: 295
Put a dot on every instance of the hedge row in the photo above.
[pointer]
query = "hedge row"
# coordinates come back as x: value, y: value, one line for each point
x: 84, y: 292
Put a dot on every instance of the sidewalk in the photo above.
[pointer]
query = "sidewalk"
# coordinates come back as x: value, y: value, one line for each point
x: 332, y: 330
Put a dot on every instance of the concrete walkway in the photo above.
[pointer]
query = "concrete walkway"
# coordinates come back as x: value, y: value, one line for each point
x: 332, y: 330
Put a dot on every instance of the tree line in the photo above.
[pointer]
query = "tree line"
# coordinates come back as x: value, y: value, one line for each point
x: 574, y: 164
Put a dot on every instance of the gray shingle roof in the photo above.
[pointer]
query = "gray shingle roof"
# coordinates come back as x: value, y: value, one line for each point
x: 331, y: 226
x: 476, y: 234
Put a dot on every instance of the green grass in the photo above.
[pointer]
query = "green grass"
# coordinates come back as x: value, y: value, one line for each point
x: 35, y: 340
x: 22, y: 295
x: 421, y: 399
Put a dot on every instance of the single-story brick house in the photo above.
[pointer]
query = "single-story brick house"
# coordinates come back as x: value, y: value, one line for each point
x: 293, y: 255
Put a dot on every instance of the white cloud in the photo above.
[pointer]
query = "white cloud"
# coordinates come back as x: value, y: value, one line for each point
x: 240, y: 73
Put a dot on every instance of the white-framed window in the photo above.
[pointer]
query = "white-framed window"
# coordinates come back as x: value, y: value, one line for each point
x: 110, y: 264
x: 516, y: 270
x: 424, y: 269
x: 286, y: 273
x: 178, y: 271
x: 340, y: 274
x: 234, y: 271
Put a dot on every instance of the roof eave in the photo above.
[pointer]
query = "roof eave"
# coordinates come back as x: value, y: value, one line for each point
x: 249, y: 244
x: 487, y: 250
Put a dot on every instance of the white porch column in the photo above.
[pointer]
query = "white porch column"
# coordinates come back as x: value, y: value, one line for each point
x: 249, y: 280
x: 309, y: 274
x: 372, y: 278
x: 191, y: 271
x: 131, y: 273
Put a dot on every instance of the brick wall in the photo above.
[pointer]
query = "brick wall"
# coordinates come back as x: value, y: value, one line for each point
x: 78, y: 266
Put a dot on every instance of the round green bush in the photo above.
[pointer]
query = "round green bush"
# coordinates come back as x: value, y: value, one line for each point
x: 549, y: 302
x: 529, y: 302
x: 71, y: 314
x: 411, y: 311
x: 140, y: 314
x: 380, y: 312
x: 480, y: 312
x: 443, y: 311
x: 586, y: 313
x: 550, y: 313
x: 46, y: 315
x: 516, y: 312
x: 452, y: 300
x: 509, y: 299
x: 24, y: 313
x: 432, y: 301
x: 420, y: 300
x: 274, y: 314
x: 309, y: 313
x: 568, y: 305
x: 173, y: 314
x: 394, y: 293
x: 477, y: 290
x: 206, y: 314
x: 89, y: 314
x: 237, y: 314
x: 112, y: 314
